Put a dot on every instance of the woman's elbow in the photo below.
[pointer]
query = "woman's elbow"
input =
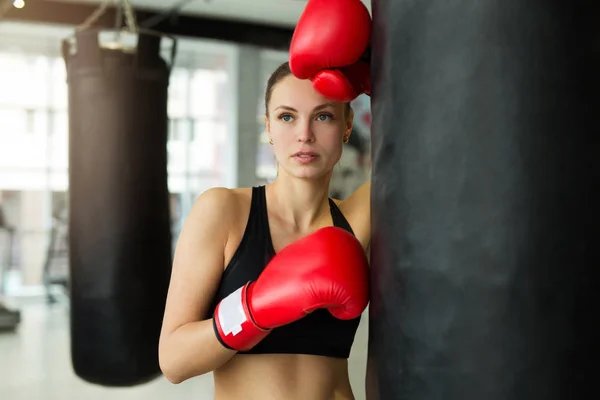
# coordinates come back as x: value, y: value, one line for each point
x: 174, y: 371
x: 167, y: 365
x: 173, y: 378
x: 174, y: 375
x: 169, y: 372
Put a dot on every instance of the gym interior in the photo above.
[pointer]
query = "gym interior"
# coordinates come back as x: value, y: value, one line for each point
x: 480, y: 140
x: 226, y: 50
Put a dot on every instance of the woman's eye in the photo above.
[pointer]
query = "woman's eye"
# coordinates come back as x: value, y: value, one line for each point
x: 324, y: 117
x: 286, y: 117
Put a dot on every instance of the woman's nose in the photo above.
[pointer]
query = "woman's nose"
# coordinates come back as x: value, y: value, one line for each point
x: 305, y: 133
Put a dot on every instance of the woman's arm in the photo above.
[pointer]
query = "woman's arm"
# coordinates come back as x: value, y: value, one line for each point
x: 357, y: 210
x: 188, y: 345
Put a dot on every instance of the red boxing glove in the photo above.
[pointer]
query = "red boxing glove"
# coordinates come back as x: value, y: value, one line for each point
x: 329, y: 40
x: 327, y: 269
x: 344, y: 84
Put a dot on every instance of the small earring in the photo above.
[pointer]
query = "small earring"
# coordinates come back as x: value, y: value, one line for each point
x: 346, y: 139
x: 271, y: 142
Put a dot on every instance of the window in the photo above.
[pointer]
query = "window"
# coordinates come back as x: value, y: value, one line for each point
x: 205, y: 86
x: 198, y: 130
x: 60, y: 124
x: 13, y: 122
x: 59, y: 96
x: 266, y: 165
x: 206, y: 146
x: 24, y: 80
x: 178, y: 93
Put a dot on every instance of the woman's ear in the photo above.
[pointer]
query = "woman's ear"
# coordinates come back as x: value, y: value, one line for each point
x: 349, y: 120
x: 267, y: 123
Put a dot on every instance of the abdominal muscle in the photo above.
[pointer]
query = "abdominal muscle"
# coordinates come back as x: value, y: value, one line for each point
x: 283, y: 377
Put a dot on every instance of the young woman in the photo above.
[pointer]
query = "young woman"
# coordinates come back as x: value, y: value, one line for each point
x: 231, y: 234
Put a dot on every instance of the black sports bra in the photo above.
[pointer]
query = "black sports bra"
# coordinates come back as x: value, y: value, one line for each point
x: 319, y: 333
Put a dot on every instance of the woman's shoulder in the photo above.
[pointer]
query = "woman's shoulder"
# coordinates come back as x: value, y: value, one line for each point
x: 358, y: 200
x: 224, y: 203
x: 222, y: 198
x: 357, y: 210
x: 215, y: 218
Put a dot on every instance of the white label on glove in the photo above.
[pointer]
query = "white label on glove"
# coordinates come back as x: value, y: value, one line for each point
x: 231, y: 313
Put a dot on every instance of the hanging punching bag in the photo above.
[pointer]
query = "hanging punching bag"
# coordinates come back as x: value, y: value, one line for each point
x: 485, y: 200
x: 120, y: 237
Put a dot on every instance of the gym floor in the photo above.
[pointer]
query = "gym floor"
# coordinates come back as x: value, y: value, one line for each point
x: 35, y: 364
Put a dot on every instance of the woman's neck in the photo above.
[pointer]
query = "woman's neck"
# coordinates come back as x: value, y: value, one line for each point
x: 300, y: 202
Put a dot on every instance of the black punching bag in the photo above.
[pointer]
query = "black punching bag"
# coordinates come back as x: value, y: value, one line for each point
x: 485, y: 200
x: 120, y: 237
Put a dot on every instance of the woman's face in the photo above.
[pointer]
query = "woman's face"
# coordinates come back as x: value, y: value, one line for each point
x: 307, y: 129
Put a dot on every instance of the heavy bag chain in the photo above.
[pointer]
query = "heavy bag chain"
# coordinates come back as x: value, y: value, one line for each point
x: 123, y: 7
x: 130, y: 19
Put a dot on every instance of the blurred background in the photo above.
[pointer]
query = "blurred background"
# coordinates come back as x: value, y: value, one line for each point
x: 226, y: 51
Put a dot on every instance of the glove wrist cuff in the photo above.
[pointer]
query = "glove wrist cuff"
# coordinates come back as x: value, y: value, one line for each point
x: 233, y: 323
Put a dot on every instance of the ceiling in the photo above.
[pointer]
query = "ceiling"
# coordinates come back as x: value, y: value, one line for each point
x: 271, y: 12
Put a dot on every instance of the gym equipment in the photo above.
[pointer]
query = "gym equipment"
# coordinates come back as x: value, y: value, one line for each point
x: 485, y: 198
x: 56, y: 264
x: 9, y: 318
x: 119, y: 222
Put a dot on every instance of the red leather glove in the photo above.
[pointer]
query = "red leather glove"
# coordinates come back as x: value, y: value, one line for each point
x: 344, y: 84
x: 327, y: 269
x: 329, y: 40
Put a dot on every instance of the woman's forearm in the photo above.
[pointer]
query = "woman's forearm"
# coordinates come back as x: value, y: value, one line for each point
x: 192, y: 350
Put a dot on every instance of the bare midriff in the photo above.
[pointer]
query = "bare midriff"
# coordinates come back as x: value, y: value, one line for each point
x: 283, y: 377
